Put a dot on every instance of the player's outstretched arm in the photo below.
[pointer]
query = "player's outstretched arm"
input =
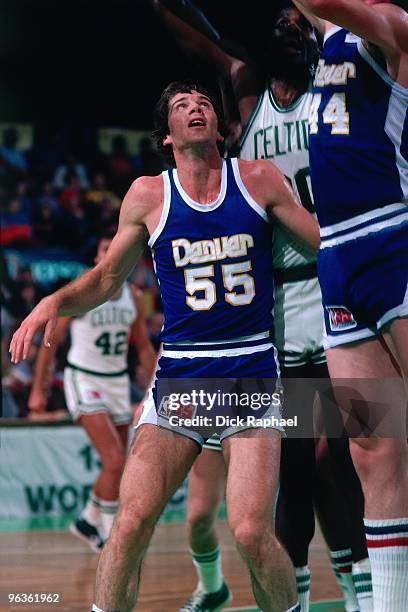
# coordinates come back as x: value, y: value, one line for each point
x: 271, y: 190
x: 98, y: 284
x: 37, y: 400
x: 384, y: 24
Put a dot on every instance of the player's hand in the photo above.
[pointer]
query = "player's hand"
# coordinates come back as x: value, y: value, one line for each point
x: 37, y: 401
x: 43, y: 317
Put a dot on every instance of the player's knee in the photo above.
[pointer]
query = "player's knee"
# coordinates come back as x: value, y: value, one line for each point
x: 114, y: 462
x: 251, y: 533
x: 378, y: 458
x: 199, y: 522
x: 132, y: 528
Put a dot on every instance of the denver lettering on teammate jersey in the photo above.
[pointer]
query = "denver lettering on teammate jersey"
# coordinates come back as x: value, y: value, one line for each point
x: 334, y: 74
x: 202, y: 251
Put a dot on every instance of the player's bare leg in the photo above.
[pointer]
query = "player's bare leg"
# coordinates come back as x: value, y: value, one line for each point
x: 397, y: 337
x: 252, y: 459
x: 382, y: 465
x: 158, y: 462
x: 95, y: 522
x: 206, y: 488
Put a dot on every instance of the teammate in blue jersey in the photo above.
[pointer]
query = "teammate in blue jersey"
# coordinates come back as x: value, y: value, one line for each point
x: 208, y: 229
x: 359, y: 168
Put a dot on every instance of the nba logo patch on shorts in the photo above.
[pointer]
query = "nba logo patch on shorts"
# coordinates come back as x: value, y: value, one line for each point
x: 169, y: 407
x: 340, y: 318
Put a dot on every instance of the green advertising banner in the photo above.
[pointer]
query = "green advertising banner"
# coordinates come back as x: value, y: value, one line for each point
x: 48, y: 471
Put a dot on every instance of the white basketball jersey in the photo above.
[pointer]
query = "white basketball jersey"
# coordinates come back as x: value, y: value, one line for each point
x: 99, y: 339
x: 281, y: 135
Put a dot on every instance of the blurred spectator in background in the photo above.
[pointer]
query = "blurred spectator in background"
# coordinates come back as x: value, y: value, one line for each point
x: 12, y: 160
x: 16, y: 228
x: 120, y: 166
x: 47, y: 196
x: 71, y: 195
x: 98, y: 193
x: 71, y: 168
x: 46, y: 224
x: 148, y: 161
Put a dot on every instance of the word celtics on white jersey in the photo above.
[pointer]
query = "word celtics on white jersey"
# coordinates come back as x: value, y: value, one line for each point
x: 99, y: 339
x: 280, y: 135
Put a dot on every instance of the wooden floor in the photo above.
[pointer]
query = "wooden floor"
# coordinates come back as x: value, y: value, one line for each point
x: 56, y: 562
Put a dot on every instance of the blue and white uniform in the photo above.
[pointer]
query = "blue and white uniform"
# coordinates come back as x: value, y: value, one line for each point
x: 214, y: 267
x: 359, y: 168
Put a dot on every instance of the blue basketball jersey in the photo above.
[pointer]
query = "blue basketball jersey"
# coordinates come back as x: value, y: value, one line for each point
x: 213, y: 263
x: 358, y: 135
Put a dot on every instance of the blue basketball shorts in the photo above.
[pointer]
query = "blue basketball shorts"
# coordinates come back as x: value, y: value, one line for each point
x: 223, y: 379
x: 364, y: 282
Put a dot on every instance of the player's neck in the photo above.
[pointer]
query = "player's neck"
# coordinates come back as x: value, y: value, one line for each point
x: 200, y: 176
x: 286, y: 92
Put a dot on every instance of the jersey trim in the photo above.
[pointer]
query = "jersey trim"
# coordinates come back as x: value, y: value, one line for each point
x: 380, y: 71
x: 104, y: 374
x: 251, y: 338
x: 286, y: 109
x: 252, y: 118
x: 165, y: 211
x: 330, y: 32
x: 197, y: 205
x: 244, y: 191
x: 295, y: 274
x: 233, y: 352
x: 371, y: 215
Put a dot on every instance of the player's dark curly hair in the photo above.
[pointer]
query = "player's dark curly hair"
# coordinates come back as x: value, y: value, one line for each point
x: 161, y: 113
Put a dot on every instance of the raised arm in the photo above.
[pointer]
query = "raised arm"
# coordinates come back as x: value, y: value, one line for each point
x: 383, y: 24
x: 270, y: 189
x: 236, y: 73
x: 98, y: 284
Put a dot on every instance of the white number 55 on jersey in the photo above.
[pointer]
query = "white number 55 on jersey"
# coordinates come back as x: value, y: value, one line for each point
x: 233, y: 275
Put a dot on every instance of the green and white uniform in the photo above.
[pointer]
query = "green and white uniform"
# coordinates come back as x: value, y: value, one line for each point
x: 96, y: 377
x: 281, y: 135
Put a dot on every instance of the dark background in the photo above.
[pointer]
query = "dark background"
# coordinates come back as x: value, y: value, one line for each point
x: 86, y: 63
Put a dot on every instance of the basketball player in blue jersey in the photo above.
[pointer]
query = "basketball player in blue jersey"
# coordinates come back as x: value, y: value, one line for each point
x: 272, y: 119
x: 210, y: 237
x: 359, y: 168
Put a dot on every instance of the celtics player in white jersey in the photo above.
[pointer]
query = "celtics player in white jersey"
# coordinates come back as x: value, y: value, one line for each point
x: 268, y: 119
x: 97, y: 391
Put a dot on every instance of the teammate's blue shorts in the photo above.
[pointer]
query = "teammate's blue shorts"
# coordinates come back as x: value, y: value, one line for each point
x: 364, y: 283
x: 215, y: 372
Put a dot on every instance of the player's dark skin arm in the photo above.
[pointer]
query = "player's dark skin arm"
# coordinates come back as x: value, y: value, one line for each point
x: 237, y: 74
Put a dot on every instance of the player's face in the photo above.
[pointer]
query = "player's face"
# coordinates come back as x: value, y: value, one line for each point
x: 191, y: 120
x: 103, y: 246
x: 294, y: 36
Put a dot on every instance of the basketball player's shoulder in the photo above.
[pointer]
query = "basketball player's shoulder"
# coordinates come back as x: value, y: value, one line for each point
x: 258, y: 174
x: 145, y: 194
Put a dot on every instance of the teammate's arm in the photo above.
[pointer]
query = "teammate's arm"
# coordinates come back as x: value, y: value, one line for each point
x: 98, y: 284
x: 146, y: 353
x: 37, y: 400
x: 384, y: 24
x: 270, y: 189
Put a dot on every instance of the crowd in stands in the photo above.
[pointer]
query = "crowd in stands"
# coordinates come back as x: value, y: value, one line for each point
x: 60, y: 200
